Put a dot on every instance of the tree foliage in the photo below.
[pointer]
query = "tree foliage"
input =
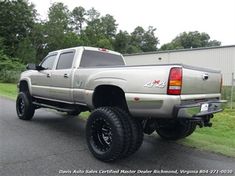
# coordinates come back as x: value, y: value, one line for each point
x: 30, y: 55
x: 9, y: 68
x: 150, y: 41
x: 16, y: 22
x: 108, y: 26
x: 25, y: 37
x: 78, y: 17
x: 193, y: 39
x: 140, y: 40
x: 122, y: 41
x: 57, y: 27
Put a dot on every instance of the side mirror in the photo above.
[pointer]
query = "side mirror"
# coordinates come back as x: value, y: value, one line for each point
x: 31, y: 66
x: 39, y: 68
x: 35, y: 67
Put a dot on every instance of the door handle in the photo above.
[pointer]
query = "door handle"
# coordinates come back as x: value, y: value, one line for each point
x: 48, y: 75
x: 66, y: 75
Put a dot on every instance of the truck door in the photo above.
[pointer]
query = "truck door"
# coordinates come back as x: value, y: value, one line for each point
x: 62, y: 77
x: 41, y: 80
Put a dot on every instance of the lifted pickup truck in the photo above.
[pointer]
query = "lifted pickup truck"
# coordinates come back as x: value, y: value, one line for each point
x: 125, y: 101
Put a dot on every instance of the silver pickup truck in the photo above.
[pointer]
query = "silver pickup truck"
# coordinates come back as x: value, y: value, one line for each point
x: 125, y: 101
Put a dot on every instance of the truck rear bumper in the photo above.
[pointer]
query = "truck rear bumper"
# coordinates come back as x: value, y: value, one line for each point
x: 198, y: 109
x: 171, y: 106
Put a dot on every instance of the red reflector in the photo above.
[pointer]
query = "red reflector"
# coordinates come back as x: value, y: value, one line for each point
x: 175, y: 81
x: 173, y: 92
x: 103, y: 49
x: 136, y: 98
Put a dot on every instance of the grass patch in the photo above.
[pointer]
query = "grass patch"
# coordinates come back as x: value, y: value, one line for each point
x: 84, y: 115
x: 220, y: 138
x: 226, y: 95
x: 8, y: 90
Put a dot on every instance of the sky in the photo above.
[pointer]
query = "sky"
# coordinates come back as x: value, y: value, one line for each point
x: 170, y: 17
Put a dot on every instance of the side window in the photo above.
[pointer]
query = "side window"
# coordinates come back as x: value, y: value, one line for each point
x: 49, y: 62
x: 65, y: 61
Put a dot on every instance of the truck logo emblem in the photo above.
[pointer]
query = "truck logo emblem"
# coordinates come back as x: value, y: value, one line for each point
x: 155, y: 83
x: 205, y: 76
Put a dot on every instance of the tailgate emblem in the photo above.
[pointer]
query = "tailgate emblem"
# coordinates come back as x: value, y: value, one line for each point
x: 155, y: 83
x: 205, y: 76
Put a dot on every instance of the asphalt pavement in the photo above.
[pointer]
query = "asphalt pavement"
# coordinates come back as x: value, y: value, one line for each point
x: 53, y: 144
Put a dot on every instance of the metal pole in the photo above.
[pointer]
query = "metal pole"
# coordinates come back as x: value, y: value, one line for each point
x: 232, y: 91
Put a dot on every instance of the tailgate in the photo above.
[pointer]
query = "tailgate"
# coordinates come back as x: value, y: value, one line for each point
x: 200, y: 81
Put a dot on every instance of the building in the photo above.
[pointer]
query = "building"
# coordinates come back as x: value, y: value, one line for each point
x: 217, y: 58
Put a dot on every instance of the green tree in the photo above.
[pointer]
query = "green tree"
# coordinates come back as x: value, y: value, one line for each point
x: 150, y: 42
x: 16, y: 22
x: 144, y: 40
x: 133, y: 49
x: 92, y: 33
x: 72, y: 40
x: 59, y: 16
x: 108, y: 26
x: 137, y: 37
x: 104, y: 43
x: 100, y: 31
x: 122, y: 41
x: 26, y: 51
x: 9, y: 68
x: 92, y: 15
x: 214, y: 43
x: 2, y: 46
x: 170, y: 46
x: 78, y: 16
x: 38, y: 38
x: 193, y: 39
x: 57, y: 27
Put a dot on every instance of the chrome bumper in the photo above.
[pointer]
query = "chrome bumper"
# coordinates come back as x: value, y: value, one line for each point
x: 195, y: 110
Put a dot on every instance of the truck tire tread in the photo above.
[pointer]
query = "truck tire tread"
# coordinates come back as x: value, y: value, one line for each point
x: 136, y: 132
x: 117, y: 145
x: 29, y: 109
x: 175, y: 132
x: 127, y: 132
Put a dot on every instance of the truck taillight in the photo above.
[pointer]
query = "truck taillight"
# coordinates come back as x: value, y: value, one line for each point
x: 175, y: 81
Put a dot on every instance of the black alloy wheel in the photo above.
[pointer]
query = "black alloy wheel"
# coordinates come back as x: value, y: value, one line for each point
x: 24, y: 107
x: 101, y: 135
x: 21, y: 106
x: 105, y: 134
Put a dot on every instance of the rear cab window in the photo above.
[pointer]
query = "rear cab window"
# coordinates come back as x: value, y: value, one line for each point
x: 92, y: 58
